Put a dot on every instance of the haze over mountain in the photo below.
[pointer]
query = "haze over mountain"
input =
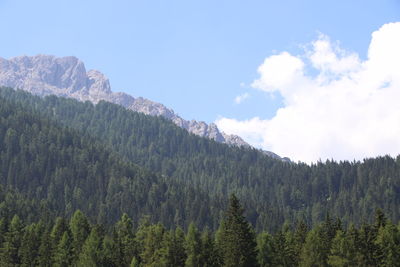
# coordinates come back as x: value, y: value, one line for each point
x: 67, y: 76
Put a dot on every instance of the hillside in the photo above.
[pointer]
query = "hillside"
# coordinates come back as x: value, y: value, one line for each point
x: 67, y: 76
x: 49, y: 170
x: 272, y: 191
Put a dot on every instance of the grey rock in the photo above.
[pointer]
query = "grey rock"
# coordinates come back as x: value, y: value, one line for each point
x: 67, y: 76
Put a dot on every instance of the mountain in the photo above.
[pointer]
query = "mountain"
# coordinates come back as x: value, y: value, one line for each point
x: 67, y: 76
x: 194, y: 175
x: 49, y: 170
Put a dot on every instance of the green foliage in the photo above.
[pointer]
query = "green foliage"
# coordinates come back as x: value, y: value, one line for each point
x: 46, y: 250
x: 154, y: 245
x: 80, y: 230
x: 236, y: 239
x: 12, y: 243
x: 388, y: 245
x: 64, y: 255
x: 124, y: 238
x: 91, y: 254
x: 65, y: 161
x: 343, y: 252
x: 193, y: 247
x: 314, y: 251
x: 79, y: 156
x: 265, y: 250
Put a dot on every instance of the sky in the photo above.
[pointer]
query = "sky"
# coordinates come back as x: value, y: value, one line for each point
x: 311, y: 80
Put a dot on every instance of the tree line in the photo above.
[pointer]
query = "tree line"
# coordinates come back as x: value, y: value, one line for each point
x: 77, y: 242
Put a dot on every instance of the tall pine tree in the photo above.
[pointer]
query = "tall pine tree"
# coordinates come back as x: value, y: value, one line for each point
x: 236, y: 238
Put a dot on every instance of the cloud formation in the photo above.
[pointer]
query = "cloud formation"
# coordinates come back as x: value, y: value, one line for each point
x: 240, y: 98
x: 346, y: 109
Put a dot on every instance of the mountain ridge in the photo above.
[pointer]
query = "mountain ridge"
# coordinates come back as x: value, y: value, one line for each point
x: 67, y: 76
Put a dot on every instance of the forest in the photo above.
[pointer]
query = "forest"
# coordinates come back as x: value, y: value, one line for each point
x: 77, y: 242
x: 106, y: 160
x: 100, y: 185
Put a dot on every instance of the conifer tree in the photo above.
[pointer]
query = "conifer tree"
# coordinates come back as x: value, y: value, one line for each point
x: 110, y: 253
x: 30, y: 245
x: 236, y: 238
x: 179, y: 253
x: 343, y: 253
x: 172, y: 252
x: 63, y: 255
x: 80, y: 230
x: 91, y: 254
x: 283, y: 248
x: 12, y: 243
x: 150, y: 241
x: 125, y: 240
x: 209, y: 255
x: 367, y: 246
x: 388, y: 245
x: 60, y: 226
x: 46, y: 251
x: 314, y: 249
x: 299, y: 236
x: 193, y: 247
x: 265, y: 250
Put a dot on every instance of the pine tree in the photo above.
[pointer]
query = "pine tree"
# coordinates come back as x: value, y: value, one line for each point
x: 388, y: 245
x: 91, y: 254
x: 125, y: 240
x: 209, y: 255
x: 12, y: 243
x: 343, y: 252
x: 45, y: 257
x: 283, y: 248
x: 172, y: 252
x: 80, y: 230
x: 179, y: 253
x: 63, y: 255
x: 265, y: 251
x: 300, y: 235
x: 60, y: 226
x: 150, y: 241
x: 236, y: 239
x: 314, y: 249
x: 367, y: 247
x: 111, y: 257
x: 30, y: 245
x: 193, y: 247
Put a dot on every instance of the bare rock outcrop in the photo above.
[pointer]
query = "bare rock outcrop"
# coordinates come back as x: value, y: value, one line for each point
x: 67, y: 76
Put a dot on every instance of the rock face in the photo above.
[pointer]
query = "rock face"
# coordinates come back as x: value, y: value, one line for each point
x: 67, y: 76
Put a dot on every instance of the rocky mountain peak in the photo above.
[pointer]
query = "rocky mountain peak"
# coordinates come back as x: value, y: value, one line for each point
x: 67, y: 76
x: 43, y: 74
x: 98, y: 82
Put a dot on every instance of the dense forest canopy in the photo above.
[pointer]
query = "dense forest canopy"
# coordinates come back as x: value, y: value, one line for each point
x: 77, y: 242
x: 59, y: 155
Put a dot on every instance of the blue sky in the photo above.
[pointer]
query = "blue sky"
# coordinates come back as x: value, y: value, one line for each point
x: 193, y: 56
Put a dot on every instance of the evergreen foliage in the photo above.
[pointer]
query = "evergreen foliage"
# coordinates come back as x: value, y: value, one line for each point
x: 86, y: 152
x: 98, y: 185
x: 152, y: 245
x: 236, y: 239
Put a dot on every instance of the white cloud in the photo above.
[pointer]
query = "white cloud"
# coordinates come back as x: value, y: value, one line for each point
x: 240, y: 98
x: 349, y: 110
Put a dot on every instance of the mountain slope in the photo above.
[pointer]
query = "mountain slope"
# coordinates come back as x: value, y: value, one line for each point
x: 67, y: 76
x: 47, y: 170
x: 272, y: 191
